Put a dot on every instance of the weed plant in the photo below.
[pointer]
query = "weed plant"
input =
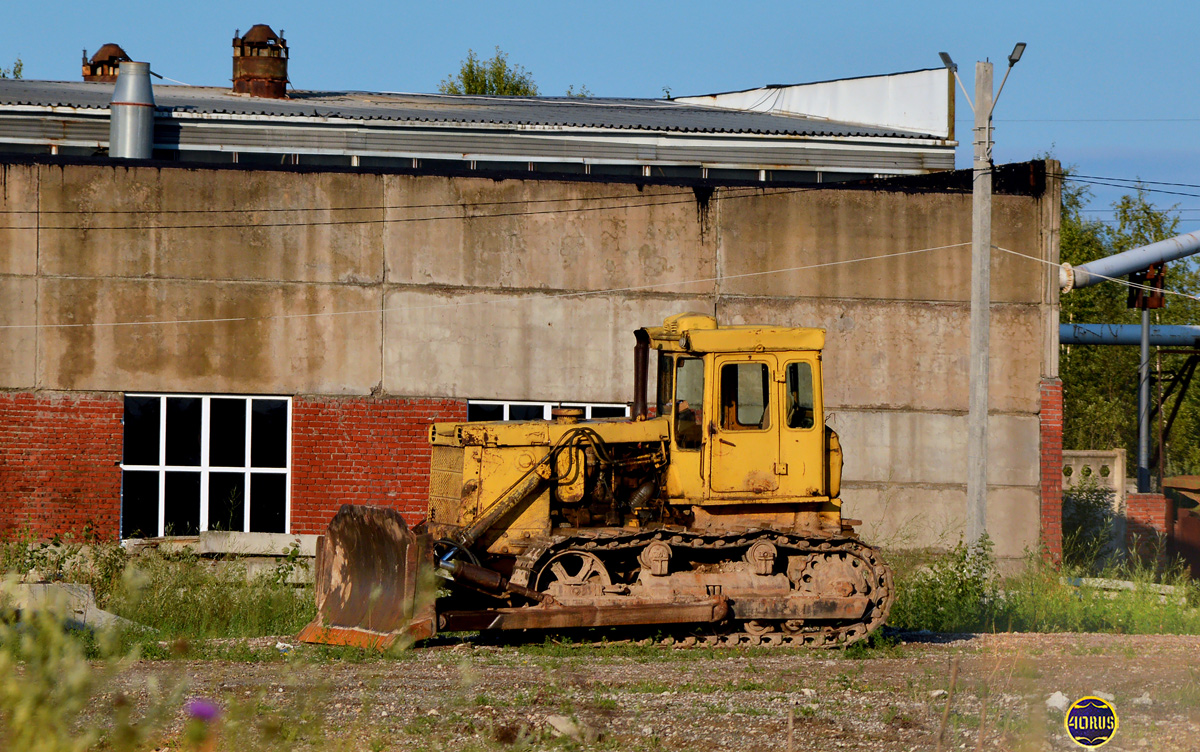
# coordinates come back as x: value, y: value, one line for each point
x: 960, y: 591
x: 55, y: 690
x: 185, y: 596
x: 176, y: 595
x: 1088, y: 524
x: 955, y: 592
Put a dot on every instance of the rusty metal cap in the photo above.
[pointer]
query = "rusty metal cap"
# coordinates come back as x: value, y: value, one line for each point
x: 109, y: 53
x: 566, y: 414
x: 261, y: 34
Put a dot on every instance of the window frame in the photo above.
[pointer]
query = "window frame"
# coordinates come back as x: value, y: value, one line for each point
x: 787, y: 395
x: 204, y: 468
x: 737, y: 426
x: 546, y: 407
x: 675, y: 399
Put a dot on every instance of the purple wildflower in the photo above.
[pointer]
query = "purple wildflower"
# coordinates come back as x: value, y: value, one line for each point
x: 203, y: 710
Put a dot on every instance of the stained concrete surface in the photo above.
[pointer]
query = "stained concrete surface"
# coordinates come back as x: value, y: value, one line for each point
x: 536, y: 300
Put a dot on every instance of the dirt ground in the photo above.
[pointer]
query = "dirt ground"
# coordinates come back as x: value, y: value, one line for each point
x: 466, y: 696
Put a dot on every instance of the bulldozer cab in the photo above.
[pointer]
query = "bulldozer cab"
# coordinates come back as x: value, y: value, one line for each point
x: 744, y: 407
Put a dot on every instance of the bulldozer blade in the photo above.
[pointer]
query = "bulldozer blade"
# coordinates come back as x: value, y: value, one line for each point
x: 618, y: 611
x: 373, y: 581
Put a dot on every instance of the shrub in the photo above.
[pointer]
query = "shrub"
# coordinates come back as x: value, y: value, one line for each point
x: 1088, y: 525
x: 953, y: 593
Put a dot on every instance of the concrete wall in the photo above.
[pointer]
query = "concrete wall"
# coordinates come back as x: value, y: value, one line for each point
x: 418, y: 286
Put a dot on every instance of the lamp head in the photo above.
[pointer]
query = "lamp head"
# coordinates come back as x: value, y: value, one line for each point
x: 946, y: 61
x: 1016, y: 54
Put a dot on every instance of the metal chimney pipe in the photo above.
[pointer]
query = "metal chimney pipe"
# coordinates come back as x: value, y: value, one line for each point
x: 1133, y: 260
x: 131, y: 113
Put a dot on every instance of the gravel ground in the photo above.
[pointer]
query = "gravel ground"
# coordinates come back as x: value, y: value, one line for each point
x: 463, y: 695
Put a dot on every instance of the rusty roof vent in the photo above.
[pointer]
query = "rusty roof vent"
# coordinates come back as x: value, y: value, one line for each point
x: 104, y: 64
x: 260, y: 63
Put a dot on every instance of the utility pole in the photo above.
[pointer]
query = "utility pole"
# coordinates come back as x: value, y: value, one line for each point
x: 981, y: 306
x: 981, y: 288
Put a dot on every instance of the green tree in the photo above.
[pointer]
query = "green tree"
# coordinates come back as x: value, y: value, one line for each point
x: 1100, y: 382
x: 583, y: 93
x: 491, y: 77
x: 16, y: 71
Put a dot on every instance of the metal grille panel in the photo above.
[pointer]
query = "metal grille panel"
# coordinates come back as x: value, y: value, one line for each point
x: 445, y: 484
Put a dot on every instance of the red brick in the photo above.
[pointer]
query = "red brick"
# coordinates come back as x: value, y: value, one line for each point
x: 58, y: 463
x: 1051, y: 467
x: 367, y: 450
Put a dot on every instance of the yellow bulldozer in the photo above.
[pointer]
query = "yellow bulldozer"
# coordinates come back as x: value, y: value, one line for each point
x: 713, y: 512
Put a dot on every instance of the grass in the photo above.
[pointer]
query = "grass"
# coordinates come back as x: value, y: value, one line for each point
x: 198, y: 609
x: 183, y: 595
x: 960, y: 592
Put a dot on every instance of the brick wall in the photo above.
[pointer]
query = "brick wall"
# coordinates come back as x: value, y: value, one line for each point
x: 58, y: 463
x: 1051, y: 415
x: 1149, y: 522
x: 362, y: 450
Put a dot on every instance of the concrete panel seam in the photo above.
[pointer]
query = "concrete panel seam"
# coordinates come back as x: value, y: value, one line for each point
x: 997, y: 305
x: 886, y: 484
x: 888, y: 409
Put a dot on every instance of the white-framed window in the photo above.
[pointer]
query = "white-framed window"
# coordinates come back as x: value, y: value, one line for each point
x: 195, y: 462
x: 520, y: 410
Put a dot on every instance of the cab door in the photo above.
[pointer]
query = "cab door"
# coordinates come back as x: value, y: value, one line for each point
x: 802, y: 433
x: 743, y: 439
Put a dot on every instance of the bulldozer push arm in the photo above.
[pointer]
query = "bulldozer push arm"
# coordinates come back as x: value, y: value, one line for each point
x: 717, y: 510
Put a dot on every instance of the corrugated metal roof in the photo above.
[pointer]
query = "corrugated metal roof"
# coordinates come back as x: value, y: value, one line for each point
x: 655, y: 115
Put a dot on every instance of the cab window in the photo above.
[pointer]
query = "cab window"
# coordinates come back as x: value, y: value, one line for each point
x: 666, y: 370
x: 800, y: 407
x: 745, y: 392
x: 689, y: 401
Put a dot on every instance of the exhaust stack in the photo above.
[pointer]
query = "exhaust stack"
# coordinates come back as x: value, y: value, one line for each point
x: 102, y: 67
x: 131, y: 113
x: 260, y: 60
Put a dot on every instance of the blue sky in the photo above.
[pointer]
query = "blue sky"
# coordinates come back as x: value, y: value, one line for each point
x: 1107, y: 87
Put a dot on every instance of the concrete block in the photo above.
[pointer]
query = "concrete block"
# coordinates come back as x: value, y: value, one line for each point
x: 521, y: 346
x: 254, y: 544
x: 548, y: 235
x: 268, y: 354
x: 280, y: 226
x: 918, y: 517
x: 908, y: 354
x: 931, y: 448
x: 73, y: 602
x: 788, y: 229
x: 18, y: 219
x: 18, y: 347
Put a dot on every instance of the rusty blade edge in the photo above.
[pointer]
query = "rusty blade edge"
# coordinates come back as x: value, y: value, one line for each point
x: 316, y: 633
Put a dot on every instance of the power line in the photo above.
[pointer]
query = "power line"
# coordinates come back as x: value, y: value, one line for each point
x: 1089, y: 120
x: 381, y: 309
x: 377, y: 207
x: 1127, y: 180
x: 1127, y: 187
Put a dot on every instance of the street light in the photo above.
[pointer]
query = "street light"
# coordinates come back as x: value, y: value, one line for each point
x: 981, y: 290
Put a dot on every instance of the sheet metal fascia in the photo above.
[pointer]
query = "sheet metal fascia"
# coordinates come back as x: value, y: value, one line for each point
x: 624, y: 134
x: 901, y: 135
x: 468, y: 144
x: 432, y: 146
x: 90, y: 132
x: 595, y: 148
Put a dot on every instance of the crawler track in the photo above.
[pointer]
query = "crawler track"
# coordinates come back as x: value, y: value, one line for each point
x: 732, y: 546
